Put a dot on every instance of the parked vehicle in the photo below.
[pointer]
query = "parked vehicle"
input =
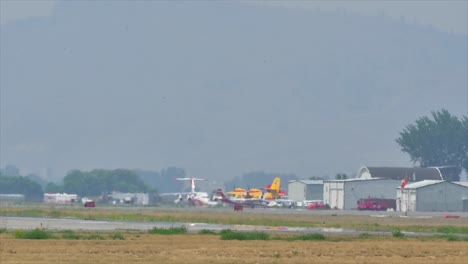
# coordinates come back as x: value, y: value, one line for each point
x: 89, y: 203
x: 316, y: 205
x: 376, y: 204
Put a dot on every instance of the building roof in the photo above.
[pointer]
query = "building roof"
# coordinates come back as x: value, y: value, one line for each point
x: 421, y: 184
x: 308, y: 182
x: 462, y: 183
x: 357, y: 179
x: 397, y: 173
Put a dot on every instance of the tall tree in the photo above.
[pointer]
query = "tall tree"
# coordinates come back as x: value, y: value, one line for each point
x: 465, y: 142
x: 99, y: 181
x: 31, y: 190
x: 52, y: 187
x: 438, y: 141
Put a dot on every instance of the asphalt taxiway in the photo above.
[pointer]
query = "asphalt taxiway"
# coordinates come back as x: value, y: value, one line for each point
x: 14, y: 222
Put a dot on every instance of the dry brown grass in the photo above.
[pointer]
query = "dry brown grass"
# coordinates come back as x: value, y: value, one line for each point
x: 194, y: 248
x: 146, y: 248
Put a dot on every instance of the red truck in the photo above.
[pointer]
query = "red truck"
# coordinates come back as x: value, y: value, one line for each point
x: 376, y: 204
x: 90, y: 203
x: 316, y: 205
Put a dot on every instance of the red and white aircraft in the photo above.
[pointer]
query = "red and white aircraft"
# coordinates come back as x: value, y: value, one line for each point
x: 194, y: 198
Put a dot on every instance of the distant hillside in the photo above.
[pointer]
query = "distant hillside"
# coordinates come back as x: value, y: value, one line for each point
x: 219, y: 89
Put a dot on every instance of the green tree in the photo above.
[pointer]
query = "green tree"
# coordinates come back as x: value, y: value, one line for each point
x: 438, y: 141
x: 316, y: 178
x: 76, y: 182
x: 99, y: 181
x: 464, y: 121
x: 341, y: 176
x: 31, y: 190
x: 168, y: 182
x: 53, y: 188
x: 126, y: 181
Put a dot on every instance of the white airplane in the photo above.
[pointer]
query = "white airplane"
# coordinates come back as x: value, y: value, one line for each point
x: 201, y: 199
x: 193, y: 198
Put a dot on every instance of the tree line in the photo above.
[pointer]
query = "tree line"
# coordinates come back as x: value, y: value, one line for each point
x: 31, y: 190
x: 95, y: 183
x: 99, y: 181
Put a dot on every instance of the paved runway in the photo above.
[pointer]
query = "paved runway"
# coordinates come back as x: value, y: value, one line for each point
x: 12, y: 223
x: 28, y: 223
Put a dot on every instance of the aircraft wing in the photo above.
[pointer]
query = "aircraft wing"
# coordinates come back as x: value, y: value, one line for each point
x: 175, y: 193
x: 252, y: 203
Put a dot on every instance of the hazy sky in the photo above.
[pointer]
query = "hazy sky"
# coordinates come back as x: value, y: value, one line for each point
x: 447, y: 15
x: 222, y: 88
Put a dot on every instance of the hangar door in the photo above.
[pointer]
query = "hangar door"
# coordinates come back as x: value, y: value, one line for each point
x: 337, y: 197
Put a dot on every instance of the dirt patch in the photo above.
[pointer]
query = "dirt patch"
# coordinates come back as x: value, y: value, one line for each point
x: 146, y: 248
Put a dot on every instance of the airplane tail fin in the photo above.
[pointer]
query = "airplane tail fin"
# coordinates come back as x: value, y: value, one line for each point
x: 273, y: 192
x: 220, y: 193
x: 224, y: 199
x: 276, y: 184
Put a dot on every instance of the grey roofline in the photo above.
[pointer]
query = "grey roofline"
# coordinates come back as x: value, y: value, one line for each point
x: 359, y: 179
x: 430, y: 184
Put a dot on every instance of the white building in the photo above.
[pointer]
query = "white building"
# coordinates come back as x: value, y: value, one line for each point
x: 60, y: 198
x: 130, y: 198
x: 15, y: 198
x: 305, y: 190
x: 344, y: 194
x: 433, y: 195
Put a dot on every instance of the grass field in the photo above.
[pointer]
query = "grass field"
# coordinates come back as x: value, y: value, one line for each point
x: 197, y: 248
x: 160, y: 246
